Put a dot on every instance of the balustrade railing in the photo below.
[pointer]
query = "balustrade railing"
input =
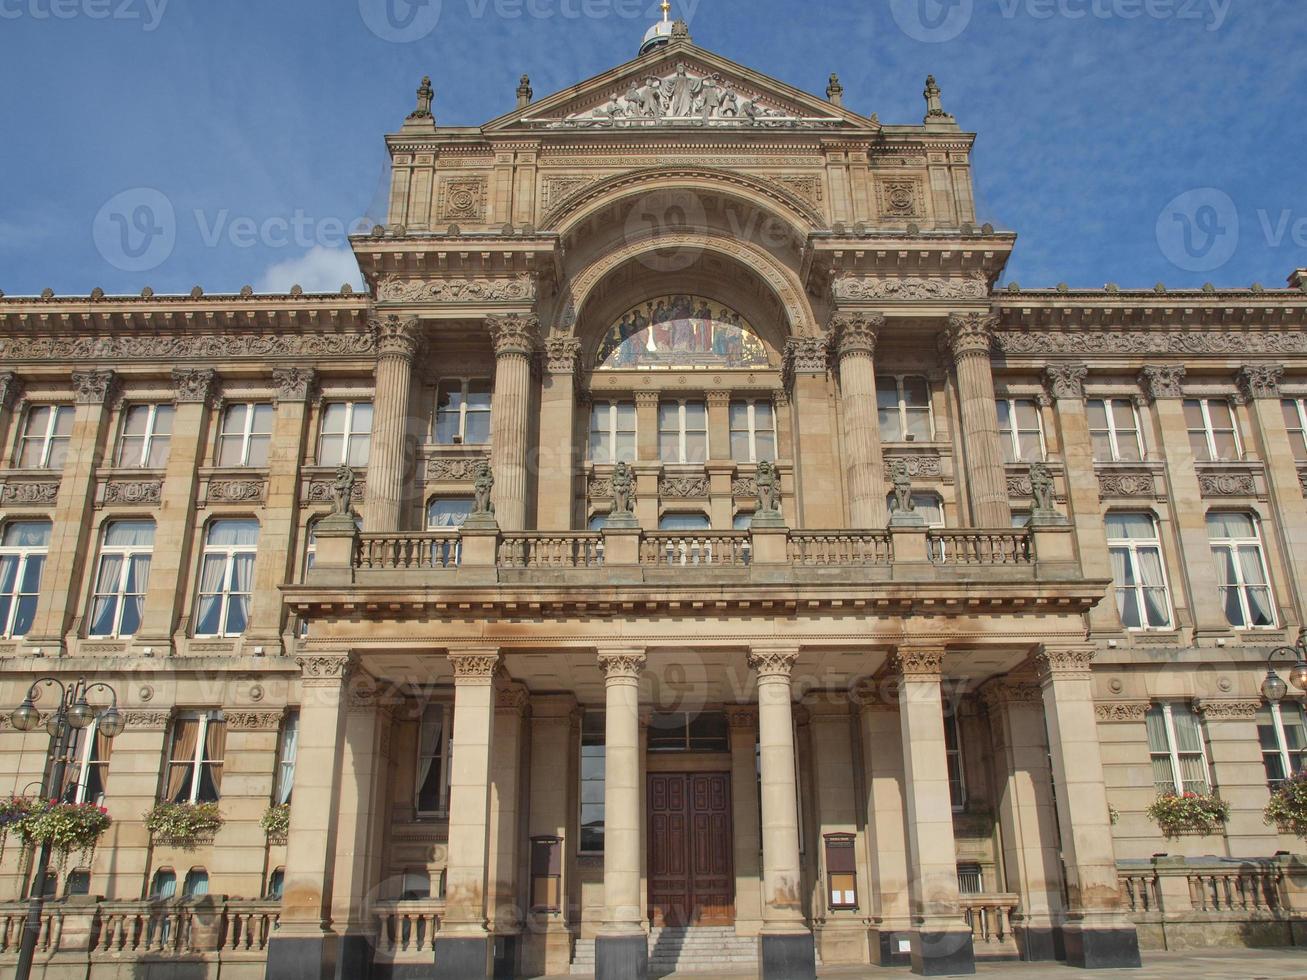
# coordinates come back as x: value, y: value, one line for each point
x: 1236, y: 891
x: 408, y: 928
x: 990, y: 919
x: 409, y: 549
x: 720, y: 548
x: 559, y: 549
x: 12, y: 918
x: 965, y: 546
x: 1141, y: 890
x: 839, y: 548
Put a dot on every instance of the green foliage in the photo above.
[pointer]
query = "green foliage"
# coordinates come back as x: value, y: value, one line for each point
x: 1189, y: 813
x: 66, y: 827
x: 1287, y: 810
x: 183, y: 824
x: 276, y: 821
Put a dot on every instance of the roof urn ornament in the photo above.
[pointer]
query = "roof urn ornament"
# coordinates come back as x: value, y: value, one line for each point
x: 425, y: 95
x: 524, y: 92
x: 934, y: 105
x: 834, y: 90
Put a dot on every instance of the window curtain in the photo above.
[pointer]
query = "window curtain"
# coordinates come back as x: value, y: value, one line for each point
x: 138, y: 582
x: 286, y: 773
x: 185, y: 738
x: 105, y: 608
x: 215, y: 742
x: 208, y: 619
x: 1159, y: 746
x: 430, y: 743
x: 242, y: 578
x: 1189, y: 746
x: 1150, y: 574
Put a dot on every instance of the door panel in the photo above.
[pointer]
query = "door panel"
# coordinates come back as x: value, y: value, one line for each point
x: 691, y: 879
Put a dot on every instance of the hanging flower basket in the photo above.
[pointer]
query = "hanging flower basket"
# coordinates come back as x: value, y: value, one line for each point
x: 1287, y: 810
x: 1189, y: 813
x: 276, y: 823
x: 66, y: 827
x: 184, y: 825
x: 13, y: 810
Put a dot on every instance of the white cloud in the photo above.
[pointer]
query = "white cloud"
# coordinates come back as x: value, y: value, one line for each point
x: 319, y: 270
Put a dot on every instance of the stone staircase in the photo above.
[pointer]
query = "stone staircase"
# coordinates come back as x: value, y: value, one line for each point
x: 685, y: 949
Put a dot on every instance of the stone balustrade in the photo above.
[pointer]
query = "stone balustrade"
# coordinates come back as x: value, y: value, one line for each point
x: 990, y: 919
x: 731, y: 548
x: 406, y: 930
x: 840, y: 548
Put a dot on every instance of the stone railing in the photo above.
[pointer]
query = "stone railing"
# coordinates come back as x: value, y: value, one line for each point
x: 695, y: 548
x: 12, y: 917
x: 965, y: 546
x: 990, y: 919
x: 558, y: 549
x: 409, y: 549
x: 840, y: 548
x: 406, y: 930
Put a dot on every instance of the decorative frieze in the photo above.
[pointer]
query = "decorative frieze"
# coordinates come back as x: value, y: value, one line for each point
x: 1164, y: 381
x: 321, y: 489
x: 1090, y: 343
x: 917, y: 465
x: 195, y: 385
x: 1227, y: 710
x: 146, y: 492
x: 600, y: 487
x: 890, y: 289
x: 28, y: 491
x: 1066, y: 380
x: 217, y: 347
x: 1214, y: 482
x: 141, y: 720
x: 1113, y: 483
x: 744, y: 486
x: 239, y: 720
x: 680, y: 487
x: 1261, y: 380
x: 453, y: 469
x: 515, y: 289
x: 93, y: 387
x: 236, y: 491
x: 1125, y: 711
x: 462, y: 199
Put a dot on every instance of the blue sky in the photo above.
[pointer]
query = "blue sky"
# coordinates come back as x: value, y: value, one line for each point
x: 1124, y: 140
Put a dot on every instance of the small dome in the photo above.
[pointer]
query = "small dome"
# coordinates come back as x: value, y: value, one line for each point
x: 660, y: 33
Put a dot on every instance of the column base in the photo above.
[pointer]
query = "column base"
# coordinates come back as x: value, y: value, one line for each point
x: 462, y: 957
x: 1115, y: 948
x: 622, y: 957
x: 301, y: 958
x: 787, y: 956
x: 505, y: 955
x: 891, y: 947
x: 942, y: 953
x: 1039, y: 943
x: 353, y: 957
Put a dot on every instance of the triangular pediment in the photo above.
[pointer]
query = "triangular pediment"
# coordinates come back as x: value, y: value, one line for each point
x: 679, y: 85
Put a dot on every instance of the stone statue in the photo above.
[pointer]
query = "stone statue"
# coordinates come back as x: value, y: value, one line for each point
x: 342, y: 490
x: 1041, y: 489
x: 934, y: 104
x: 905, y: 511
x: 623, y: 492
x: 483, y: 481
x: 768, y: 480
x: 425, y: 94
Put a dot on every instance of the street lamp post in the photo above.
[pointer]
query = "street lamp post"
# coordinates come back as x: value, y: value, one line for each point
x: 1273, y: 688
x: 73, y: 713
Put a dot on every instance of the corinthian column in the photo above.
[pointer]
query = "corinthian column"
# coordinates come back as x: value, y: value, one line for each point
x: 969, y: 337
x: 514, y: 337
x: 785, y: 946
x: 855, y: 345
x: 396, y: 345
x: 558, y: 457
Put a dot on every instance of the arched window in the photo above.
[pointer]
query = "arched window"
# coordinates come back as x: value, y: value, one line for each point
x: 276, y: 883
x: 163, y: 885
x: 226, y: 577
x: 23, y: 549
x: 121, y: 578
x: 78, y: 882
x: 681, y: 332
x: 196, y: 884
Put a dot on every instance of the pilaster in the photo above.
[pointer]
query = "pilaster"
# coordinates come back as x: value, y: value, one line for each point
x: 556, y: 479
x: 816, y: 460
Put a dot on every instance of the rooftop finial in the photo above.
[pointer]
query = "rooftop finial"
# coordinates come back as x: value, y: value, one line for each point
x: 667, y: 10
x: 934, y: 106
x: 835, y: 91
x: 524, y: 93
x: 425, y: 94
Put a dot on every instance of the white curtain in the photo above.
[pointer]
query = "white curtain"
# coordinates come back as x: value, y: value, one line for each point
x: 212, y: 573
x: 105, y: 607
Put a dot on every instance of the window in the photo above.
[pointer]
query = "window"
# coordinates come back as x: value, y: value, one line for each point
x: 86, y: 779
x: 147, y: 432
x: 680, y: 731
x: 592, y: 782
x: 226, y: 578
x: 195, y: 758
x: 196, y: 883
x: 462, y: 411
x: 1142, y: 597
x: 928, y: 505
x: 1295, y: 419
x: 753, y: 431
x: 415, y: 886
x: 276, y: 883
x: 346, y: 434
x: 1240, y: 570
x: 1114, y: 430
x: 957, y: 781
x: 1021, y: 430
x: 121, y: 579
x: 78, y: 882
x: 970, y: 878
x: 245, y: 434
x: 1283, y: 736
x: 612, y: 432
x: 164, y: 884
x: 1212, y: 432
x: 1175, y: 743
x: 290, y: 733
x: 689, y: 549
x: 444, y: 513
x: 432, y: 793
x: 46, y: 431
x: 23, y: 547
x: 903, y: 408
x: 163, y: 887
x: 683, y: 432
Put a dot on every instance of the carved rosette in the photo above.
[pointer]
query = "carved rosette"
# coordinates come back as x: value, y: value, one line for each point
x: 10, y: 390
x: 1064, y: 662
x: 773, y: 663
x: 855, y: 333
x: 1162, y: 381
x: 918, y: 663
x: 396, y: 336
x: 1066, y: 380
x: 622, y: 665
x: 1122, y: 711
x: 562, y: 355
x: 252, y: 721
x: 474, y: 668
x: 1261, y: 380
x: 514, y: 335
x: 970, y: 334
x: 94, y: 387
x: 194, y: 385
x: 294, y: 384
x: 324, y: 667
x: 1232, y: 709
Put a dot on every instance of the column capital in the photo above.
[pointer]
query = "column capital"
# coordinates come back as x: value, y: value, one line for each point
x: 1066, y: 381
x: 1162, y: 381
x: 646, y: 398
x: 396, y: 336
x: 512, y: 697
x: 856, y: 333
x: 970, y: 334
x: 513, y: 334
x: 918, y: 663
x: 294, y: 384
x: 1260, y: 380
x: 773, y: 662
x: 94, y: 387
x: 477, y: 667
x: 622, y: 664
x: 805, y: 355
x: 1072, y: 661
x: 718, y: 397
x: 1228, y: 709
x: 329, y: 668
x: 195, y: 385
x: 562, y: 355
x: 743, y: 716
x: 997, y: 695
x: 10, y: 389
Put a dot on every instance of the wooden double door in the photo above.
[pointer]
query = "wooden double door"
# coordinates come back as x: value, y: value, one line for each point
x: 691, y: 871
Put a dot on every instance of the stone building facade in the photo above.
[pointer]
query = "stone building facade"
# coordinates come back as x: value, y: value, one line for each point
x: 721, y: 570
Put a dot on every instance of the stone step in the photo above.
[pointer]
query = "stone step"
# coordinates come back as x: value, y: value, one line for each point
x: 684, y: 949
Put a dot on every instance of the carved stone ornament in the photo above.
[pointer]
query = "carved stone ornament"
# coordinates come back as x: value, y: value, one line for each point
x: 1261, y: 380
x: 514, y: 335
x: 855, y: 333
x: 512, y: 697
x: 1162, y: 381
x: 1066, y: 380
x: 890, y: 289
x: 324, y: 666
x: 187, y: 347
x: 139, y: 720
x: 805, y: 355
x: 1070, y: 661
x: 464, y: 290
x: 970, y: 334
x: 1227, y: 485
x: 133, y: 491
x: 1126, y: 485
x: 396, y: 336
x: 997, y: 695
x: 562, y: 355
x: 900, y: 198
x: 342, y: 491
x: 744, y: 486
x: 1126, y: 711
x: 474, y: 668
x: 294, y: 384
x: 1227, y: 710
x: 28, y: 493
x: 773, y: 663
x: 744, y: 717
x: 459, y: 469
x: 236, y: 491
x: 194, y: 384
x: 323, y: 491
x: 918, y: 663
x: 624, y: 665
x: 1302, y: 481
x: 1151, y: 342
x: 917, y: 465
x: 808, y: 188
x: 555, y: 189
x: 10, y: 389
x: 252, y: 721
x: 93, y: 387
x: 681, y: 487
x: 462, y: 199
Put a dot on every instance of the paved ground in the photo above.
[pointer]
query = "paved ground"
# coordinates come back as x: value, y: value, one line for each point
x: 1216, y: 964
